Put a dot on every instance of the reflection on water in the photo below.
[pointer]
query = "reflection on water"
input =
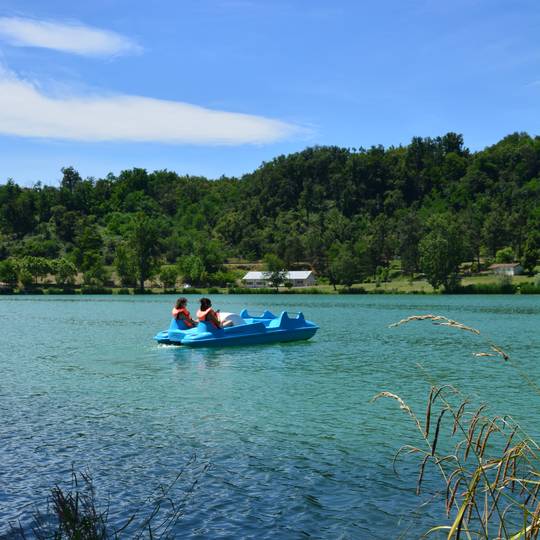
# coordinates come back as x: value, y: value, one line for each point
x: 295, y: 446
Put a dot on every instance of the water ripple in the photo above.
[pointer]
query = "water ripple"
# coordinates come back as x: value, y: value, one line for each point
x: 295, y: 447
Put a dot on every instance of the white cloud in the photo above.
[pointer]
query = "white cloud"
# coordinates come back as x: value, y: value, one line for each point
x: 26, y: 111
x: 72, y: 38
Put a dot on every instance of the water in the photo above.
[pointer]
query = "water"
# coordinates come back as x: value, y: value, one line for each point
x: 294, y: 446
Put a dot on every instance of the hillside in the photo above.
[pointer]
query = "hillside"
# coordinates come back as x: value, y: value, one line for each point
x: 345, y: 212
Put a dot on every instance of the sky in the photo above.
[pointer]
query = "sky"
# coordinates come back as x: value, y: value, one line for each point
x: 216, y: 87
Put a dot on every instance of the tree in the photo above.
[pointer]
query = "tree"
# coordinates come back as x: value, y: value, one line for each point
x: 8, y: 272
x: 37, y: 267
x: 124, y: 264
x: 531, y: 251
x: 65, y: 272
x: 193, y: 270
x: 65, y: 222
x: 95, y: 274
x: 441, y: 253
x: 409, y: 235
x: 342, y: 266
x: 275, y: 270
x: 348, y: 263
x: 504, y: 255
x: 494, y: 232
x: 88, y: 244
x: 70, y: 179
x: 168, y: 276
x: 381, y: 241
x: 143, y: 240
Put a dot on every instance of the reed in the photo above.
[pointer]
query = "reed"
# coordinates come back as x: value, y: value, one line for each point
x: 76, y: 514
x: 489, y: 467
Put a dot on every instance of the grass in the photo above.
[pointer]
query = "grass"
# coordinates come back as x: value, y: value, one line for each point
x: 76, y: 514
x: 489, y: 467
x: 479, y: 284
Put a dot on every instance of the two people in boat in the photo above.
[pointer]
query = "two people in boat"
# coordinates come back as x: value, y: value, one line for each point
x: 204, y: 314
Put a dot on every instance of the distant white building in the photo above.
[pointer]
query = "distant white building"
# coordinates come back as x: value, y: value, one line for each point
x: 298, y: 278
x: 507, y: 269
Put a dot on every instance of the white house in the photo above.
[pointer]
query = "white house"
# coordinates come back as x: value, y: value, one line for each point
x: 298, y: 278
x: 507, y: 269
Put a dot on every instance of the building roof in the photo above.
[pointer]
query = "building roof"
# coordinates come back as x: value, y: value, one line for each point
x: 291, y: 274
x: 255, y: 275
x: 503, y: 265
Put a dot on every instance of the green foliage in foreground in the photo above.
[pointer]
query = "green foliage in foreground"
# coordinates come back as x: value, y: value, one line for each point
x: 346, y: 213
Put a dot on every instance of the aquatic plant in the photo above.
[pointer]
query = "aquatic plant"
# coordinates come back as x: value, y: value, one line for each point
x: 489, y: 467
x: 76, y: 514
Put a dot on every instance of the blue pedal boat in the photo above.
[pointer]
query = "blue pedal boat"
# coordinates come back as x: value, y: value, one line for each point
x: 252, y: 330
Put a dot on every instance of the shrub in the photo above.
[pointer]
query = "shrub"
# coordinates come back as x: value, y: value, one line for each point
x: 529, y: 288
x: 246, y: 290
x: 353, y: 290
x: 122, y: 291
x: 54, y: 290
x: 504, y: 255
x: 89, y: 289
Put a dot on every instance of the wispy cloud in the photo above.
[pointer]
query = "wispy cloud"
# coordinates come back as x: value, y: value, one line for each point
x: 66, y: 37
x: 28, y: 112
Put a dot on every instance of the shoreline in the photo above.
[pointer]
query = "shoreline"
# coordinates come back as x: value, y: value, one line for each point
x: 467, y: 290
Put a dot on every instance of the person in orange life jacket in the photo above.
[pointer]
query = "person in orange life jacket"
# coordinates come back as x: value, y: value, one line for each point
x: 207, y: 314
x: 180, y: 313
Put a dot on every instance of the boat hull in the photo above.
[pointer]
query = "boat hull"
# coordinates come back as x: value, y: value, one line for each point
x: 255, y: 331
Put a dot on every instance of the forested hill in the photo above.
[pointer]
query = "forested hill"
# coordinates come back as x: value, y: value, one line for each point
x: 345, y: 212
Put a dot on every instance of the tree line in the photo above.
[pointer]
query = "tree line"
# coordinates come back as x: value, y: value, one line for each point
x: 346, y: 212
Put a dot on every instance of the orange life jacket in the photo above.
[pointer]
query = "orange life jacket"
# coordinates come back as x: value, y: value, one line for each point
x: 186, y: 316
x: 203, y: 316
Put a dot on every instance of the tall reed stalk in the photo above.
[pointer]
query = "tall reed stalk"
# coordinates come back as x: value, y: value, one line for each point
x: 491, y: 474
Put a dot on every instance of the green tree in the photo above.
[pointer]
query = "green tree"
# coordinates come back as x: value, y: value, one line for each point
x: 168, y: 276
x: 124, y: 264
x: 531, y: 251
x: 441, y: 253
x: 95, y: 274
x: 25, y: 277
x: 143, y: 240
x: 381, y: 241
x: 37, y: 267
x: 494, y: 231
x: 65, y: 272
x: 348, y: 263
x: 70, y: 179
x: 8, y: 272
x: 342, y: 265
x: 274, y: 270
x: 193, y: 270
x: 409, y: 235
x: 504, y: 255
x: 88, y: 244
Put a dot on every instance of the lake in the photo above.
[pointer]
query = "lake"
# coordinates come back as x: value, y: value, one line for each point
x: 274, y: 441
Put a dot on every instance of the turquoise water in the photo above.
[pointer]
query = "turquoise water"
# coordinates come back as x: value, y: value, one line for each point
x: 293, y: 445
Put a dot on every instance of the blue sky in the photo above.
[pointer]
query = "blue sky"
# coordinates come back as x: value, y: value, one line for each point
x: 216, y: 87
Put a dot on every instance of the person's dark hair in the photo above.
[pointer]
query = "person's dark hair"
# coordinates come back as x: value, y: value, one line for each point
x: 180, y: 302
x: 205, y: 303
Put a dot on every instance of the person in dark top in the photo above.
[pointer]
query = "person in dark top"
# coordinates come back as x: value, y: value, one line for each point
x: 207, y: 314
x: 180, y: 313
